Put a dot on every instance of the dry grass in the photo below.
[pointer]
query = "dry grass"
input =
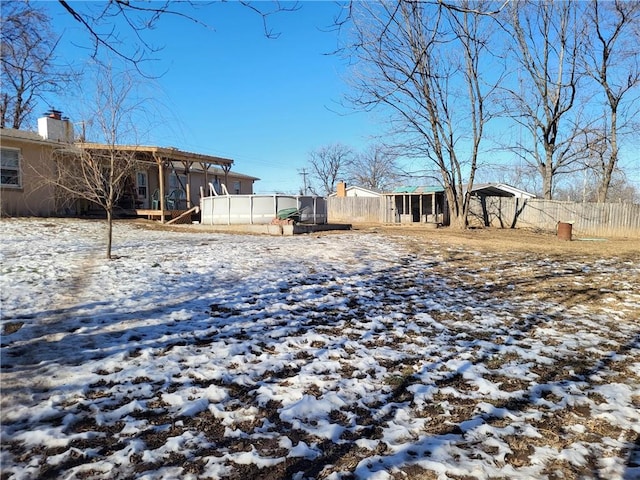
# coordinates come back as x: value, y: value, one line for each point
x: 514, y: 240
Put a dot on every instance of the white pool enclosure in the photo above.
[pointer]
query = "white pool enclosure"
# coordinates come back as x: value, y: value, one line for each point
x: 260, y: 209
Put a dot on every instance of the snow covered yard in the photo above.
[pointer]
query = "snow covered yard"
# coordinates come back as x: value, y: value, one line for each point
x: 352, y: 355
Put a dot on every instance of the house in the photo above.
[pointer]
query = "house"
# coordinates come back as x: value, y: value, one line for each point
x: 354, y: 191
x: 499, y: 190
x: 169, y: 179
x: 24, y: 167
x: 166, y: 178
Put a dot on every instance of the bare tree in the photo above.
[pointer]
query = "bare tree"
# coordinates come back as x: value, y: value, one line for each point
x: 99, y: 173
x: 622, y: 190
x: 327, y: 164
x: 583, y: 186
x: 546, y: 48
x: 121, y: 27
x: 27, y: 55
x: 374, y: 168
x: 425, y: 61
x: 612, y: 59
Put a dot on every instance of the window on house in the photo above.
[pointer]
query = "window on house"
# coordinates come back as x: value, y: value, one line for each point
x: 216, y: 186
x: 10, y: 167
x: 236, y: 187
x: 177, y: 182
x: 141, y: 184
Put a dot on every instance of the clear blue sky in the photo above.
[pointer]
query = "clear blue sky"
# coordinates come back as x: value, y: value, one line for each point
x: 230, y: 91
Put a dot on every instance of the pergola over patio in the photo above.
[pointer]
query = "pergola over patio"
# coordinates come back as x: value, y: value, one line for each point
x: 167, y: 157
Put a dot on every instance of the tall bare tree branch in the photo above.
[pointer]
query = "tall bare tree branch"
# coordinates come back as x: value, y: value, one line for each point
x: 547, y: 42
x: 121, y: 27
x: 327, y: 165
x: 373, y: 168
x: 28, y: 62
x: 100, y: 172
x: 424, y: 62
x: 611, y: 57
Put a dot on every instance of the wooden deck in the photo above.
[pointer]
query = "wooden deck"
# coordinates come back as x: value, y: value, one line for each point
x: 168, y: 216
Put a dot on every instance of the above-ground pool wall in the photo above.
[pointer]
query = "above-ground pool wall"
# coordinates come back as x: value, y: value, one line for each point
x: 259, y: 209
x: 313, y: 210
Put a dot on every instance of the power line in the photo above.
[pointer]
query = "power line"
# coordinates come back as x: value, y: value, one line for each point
x: 303, y: 172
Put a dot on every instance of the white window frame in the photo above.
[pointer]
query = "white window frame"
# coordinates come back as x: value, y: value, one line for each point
x: 17, y: 169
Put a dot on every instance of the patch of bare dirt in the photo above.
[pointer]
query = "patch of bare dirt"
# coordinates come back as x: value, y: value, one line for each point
x: 482, y: 239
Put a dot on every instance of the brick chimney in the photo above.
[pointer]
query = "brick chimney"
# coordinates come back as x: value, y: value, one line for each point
x: 341, y: 189
x: 53, y: 126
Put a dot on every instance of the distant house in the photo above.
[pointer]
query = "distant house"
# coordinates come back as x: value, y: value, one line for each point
x: 355, y: 191
x: 167, y: 179
x: 499, y: 190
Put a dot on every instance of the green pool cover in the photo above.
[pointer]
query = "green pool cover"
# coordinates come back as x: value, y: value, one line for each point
x: 287, y: 213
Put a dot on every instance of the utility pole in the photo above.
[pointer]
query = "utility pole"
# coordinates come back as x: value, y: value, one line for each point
x: 304, y: 174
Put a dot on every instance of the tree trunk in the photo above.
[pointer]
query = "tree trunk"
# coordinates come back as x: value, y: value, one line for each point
x: 17, y: 112
x: 546, y: 170
x: 458, y: 223
x: 457, y: 219
x: 4, y: 109
x: 109, y: 232
x: 603, y: 188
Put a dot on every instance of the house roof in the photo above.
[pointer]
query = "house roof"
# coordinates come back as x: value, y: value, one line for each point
x: 490, y: 189
x: 363, y: 189
x: 501, y: 190
x: 213, y: 170
x: 169, y: 153
x: 215, y: 165
x: 25, y: 136
x: 350, y: 188
x: 417, y: 189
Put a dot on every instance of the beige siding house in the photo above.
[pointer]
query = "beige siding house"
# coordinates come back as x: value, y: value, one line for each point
x: 166, y: 178
x: 25, y: 163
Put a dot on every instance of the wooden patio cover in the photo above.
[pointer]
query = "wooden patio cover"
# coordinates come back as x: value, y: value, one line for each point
x: 165, y: 156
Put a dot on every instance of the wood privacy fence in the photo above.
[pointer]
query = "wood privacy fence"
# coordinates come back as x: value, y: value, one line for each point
x: 356, y: 209
x: 588, y: 219
x: 601, y: 219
